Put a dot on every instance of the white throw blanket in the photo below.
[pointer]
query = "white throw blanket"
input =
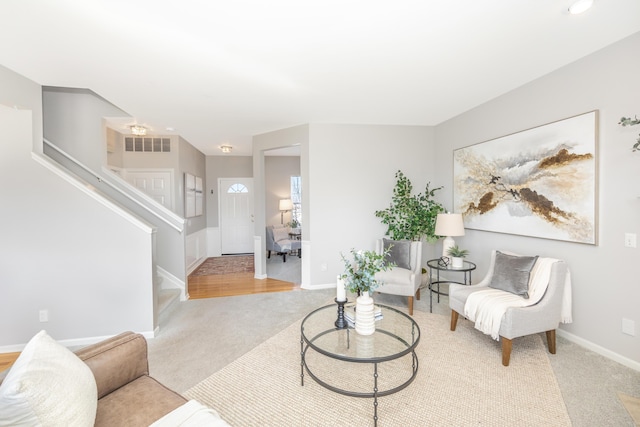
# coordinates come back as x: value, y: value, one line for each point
x: 487, y: 307
x: 191, y: 414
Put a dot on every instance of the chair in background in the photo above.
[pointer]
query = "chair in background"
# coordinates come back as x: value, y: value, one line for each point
x: 278, y: 240
x: 405, y: 278
x: 544, y: 316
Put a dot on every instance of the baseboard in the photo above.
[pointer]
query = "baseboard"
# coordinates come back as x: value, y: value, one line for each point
x: 197, y: 263
x: 600, y: 350
x: 319, y: 286
x: 169, y: 281
x: 260, y: 276
x: 75, y: 342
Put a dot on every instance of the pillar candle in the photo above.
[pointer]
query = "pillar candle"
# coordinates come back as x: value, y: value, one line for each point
x: 341, y: 293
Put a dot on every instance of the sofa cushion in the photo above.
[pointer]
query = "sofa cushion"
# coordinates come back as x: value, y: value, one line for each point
x: 48, y: 385
x: 399, y: 252
x: 138, y: 403
x: 511, y: 273
x: 397, y: 281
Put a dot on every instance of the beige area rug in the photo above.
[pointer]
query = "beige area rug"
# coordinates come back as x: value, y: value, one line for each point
x: 460, y: 382
x: 227, y: 264
x: 632, y: 405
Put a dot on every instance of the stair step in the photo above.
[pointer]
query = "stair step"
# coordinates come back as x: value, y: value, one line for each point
x: 167, y: 300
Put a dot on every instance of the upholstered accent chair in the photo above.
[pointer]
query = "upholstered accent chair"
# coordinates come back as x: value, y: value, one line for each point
x: 553, y: 301
x: 279, y: 241
x: 405, y: 278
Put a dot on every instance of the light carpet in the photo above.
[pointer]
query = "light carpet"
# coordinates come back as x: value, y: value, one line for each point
x: 461, y: 382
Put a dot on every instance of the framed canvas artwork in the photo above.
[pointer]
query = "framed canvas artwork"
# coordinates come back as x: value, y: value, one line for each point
x: 193, y: 196
x: 541, y: 182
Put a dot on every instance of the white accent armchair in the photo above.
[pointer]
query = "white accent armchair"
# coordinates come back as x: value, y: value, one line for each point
x: 406, y: 277
x: 544, y: 316
x: 278, y: 241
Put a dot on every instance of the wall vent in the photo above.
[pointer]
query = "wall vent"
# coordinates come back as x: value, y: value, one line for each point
x: 147, y: 144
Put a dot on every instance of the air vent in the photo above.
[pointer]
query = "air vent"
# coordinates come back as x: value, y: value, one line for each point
x: 150, y: 145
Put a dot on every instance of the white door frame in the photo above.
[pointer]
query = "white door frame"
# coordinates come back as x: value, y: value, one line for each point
x: 249, y: 182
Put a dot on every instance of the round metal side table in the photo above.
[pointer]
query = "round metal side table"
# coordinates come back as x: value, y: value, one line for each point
x: 435, y: 265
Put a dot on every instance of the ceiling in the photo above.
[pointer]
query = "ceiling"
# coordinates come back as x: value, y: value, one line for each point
x: 218, y: 72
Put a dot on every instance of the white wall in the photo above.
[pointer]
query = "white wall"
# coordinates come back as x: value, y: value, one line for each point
x: 606, y: 283
x: 73, y: 121
x: 351, y: 175
x: 62, y: 249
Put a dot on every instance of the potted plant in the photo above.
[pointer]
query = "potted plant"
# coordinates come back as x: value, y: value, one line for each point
x: 359, y: 272
x: 411, y: 216
x: 628, y: 121
x: 457, y: 256
x: 359, y: 277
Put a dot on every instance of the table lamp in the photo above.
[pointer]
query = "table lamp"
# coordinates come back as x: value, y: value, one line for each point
x: 285, y: 205
x: 449, y: 225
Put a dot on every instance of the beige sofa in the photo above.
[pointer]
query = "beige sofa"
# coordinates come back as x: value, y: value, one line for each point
x: 127, y: 395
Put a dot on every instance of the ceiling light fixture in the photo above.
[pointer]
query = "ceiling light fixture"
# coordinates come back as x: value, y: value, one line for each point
x: 580, y: 6
x: 225, y: 148
x: 138, y: 130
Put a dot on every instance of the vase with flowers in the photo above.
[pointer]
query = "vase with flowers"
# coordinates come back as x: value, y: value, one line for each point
x: 360, y: 277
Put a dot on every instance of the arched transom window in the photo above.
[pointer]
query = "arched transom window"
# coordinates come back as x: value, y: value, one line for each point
x: 237, y: 188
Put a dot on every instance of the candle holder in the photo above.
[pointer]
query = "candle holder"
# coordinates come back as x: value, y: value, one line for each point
x: 341, y: 322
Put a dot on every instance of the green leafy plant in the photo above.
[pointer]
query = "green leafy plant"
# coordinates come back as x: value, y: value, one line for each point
x: 456, y: 252
x: 411, y: 216
x: 628, y: 121
x: 360, y: 271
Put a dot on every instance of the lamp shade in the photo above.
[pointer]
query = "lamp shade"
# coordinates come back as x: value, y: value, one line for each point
x: 449, y: 224
x: 285, y: 205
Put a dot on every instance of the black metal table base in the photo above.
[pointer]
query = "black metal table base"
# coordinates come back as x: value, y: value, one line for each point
x: 466, y: 270
x: 374, y: 394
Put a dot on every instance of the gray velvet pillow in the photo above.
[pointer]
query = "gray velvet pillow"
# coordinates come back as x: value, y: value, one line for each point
x: 400, y: 253
x: 511, y: 273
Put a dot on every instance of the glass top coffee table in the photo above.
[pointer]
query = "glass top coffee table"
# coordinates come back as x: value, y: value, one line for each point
x: 356, y: 365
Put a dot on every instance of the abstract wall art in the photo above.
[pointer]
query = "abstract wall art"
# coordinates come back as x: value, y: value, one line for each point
x: 541, y: 182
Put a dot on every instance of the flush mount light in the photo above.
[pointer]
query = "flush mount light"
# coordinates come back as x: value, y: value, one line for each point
x: 580, y: 6
x: 138, y: 130
x: 225, y: 148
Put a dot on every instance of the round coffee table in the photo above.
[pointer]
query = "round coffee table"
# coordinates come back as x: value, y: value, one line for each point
x: 396, y: 336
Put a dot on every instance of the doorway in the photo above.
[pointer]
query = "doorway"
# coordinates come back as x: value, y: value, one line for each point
x: 281, y: 170
x: 235, y: 204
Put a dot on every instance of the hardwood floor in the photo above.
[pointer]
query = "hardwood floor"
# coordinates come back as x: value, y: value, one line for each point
x: 7, y: 359
x: 214, y: 286
x: 224, y: 285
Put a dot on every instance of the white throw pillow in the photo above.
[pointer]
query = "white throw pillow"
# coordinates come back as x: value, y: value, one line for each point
x: 48, y: 385
x: 191, y: 414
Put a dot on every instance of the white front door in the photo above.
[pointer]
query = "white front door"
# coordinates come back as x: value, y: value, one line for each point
x: 156, y: 184
x: 235, y: 201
